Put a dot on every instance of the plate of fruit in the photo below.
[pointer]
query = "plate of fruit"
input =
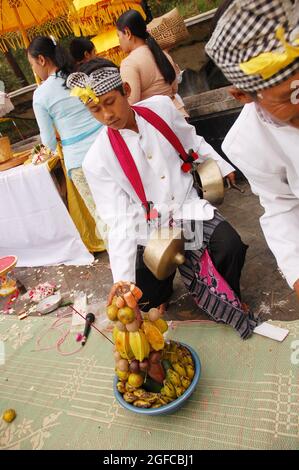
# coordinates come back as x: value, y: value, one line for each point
x: 153, y: 376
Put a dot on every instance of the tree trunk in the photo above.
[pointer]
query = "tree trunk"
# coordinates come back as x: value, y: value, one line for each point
x: 16, y: 68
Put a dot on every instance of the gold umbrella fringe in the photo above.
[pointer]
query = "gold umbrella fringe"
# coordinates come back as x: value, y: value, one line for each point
x: 115, y: 54
x: 95, y: 19
x: 58, y: 27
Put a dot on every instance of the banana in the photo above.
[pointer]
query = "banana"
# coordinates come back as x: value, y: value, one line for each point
x: 185, y: 382
x: 139, y: 345
x: 147, y: 396
x: 173, y: 377
x: 121, y: 387
x: 179, y: 390
x: 142, y: 404
x: 130, y: 388
x: 190, y: 371
x: 168, y: 390
x: 122, y: 345
x: 179, y: 368
x: 164, y: 400
x: 139, y: 392
x: 129, y: 397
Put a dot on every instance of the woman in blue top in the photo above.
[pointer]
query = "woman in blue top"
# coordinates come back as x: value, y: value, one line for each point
x: 55, y: 110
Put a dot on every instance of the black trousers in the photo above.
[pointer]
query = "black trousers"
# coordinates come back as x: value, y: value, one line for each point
x: 227, y: 252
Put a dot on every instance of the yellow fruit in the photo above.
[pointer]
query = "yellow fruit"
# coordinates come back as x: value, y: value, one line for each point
x: 161, y: 325
x: 9, y: 415
x: 168, y: 390
x: 173, y: 377
x: 114, y: 300
x: 126, y: 315
x: 179, y: 390
x: 112, y: 311
x: 139, y: 345
x: 122, y: 345
x: 122, y: 374
x: 179, y: 368
x: 190, y: 371
x: 142, y: 404
x: 135, y: 380
x: 185, y: 382
x: 121, y: 387
x: 153, y: 335
x: 129, y: 397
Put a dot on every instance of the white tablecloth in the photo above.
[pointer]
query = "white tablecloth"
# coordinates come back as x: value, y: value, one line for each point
x: 34, y: 223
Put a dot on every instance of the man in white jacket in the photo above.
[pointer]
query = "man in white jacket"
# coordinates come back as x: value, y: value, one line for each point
x: 256, y: 45
x: 130, y: 144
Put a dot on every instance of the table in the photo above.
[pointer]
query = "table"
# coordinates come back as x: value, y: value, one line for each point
x: 34, y: 223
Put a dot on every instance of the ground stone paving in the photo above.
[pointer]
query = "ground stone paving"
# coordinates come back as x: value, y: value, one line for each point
x: 263, y: 287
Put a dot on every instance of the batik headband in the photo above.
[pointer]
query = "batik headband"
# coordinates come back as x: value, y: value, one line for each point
x: 256, y: 43
x: 90, y: 87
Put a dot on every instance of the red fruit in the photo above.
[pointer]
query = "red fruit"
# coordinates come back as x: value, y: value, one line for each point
x: 134, y: 366
x: 155, y: 357
x: 156, y: 372
x: 144, y: 365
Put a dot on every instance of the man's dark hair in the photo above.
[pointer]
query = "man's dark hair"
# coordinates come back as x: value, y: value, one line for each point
x: 96, y: 64
x: 79, y: 46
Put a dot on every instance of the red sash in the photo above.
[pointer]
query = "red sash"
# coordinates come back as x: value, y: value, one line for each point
x: 128, y: 165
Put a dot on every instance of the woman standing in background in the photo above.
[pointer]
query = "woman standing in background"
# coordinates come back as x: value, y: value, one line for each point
x: 55, y: 110
x: 148, y: 70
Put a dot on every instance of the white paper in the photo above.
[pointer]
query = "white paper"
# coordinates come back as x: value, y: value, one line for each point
x: 271, y: 331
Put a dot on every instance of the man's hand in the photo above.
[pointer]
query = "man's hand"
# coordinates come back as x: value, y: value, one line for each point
x: 296, y: 287
x: 231, y: 177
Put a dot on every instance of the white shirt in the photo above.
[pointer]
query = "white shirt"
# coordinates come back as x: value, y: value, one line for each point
x: 164, y: 183
x: 268, y: 156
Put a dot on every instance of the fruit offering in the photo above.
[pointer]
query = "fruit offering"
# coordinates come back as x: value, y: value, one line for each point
x: 151, y: 371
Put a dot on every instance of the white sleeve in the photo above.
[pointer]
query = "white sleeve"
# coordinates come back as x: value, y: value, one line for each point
x: 280, y: 221
x: 189, y: 139
x: 114, y: 208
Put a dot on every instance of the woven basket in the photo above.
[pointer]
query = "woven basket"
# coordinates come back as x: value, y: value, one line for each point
x: 169, y: 29
x: 5, y: 149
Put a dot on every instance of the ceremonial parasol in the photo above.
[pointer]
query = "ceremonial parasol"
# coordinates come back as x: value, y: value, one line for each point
x: 21, y: 20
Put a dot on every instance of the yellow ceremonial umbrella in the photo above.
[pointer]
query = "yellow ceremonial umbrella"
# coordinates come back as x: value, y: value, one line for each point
x: 20, y: 20
x: 96, y: 16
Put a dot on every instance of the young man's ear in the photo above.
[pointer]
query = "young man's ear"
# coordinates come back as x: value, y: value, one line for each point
x: 127, y: 89
x: 240, y: 95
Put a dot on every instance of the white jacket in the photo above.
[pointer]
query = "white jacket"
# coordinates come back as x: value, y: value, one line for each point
x: 164, y: 182
x: 268, y: 156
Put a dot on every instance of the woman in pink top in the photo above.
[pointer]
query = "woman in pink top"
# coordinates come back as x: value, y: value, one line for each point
x: 148, y: 70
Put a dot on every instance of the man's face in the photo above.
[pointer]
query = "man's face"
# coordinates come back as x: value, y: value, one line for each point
x: 113, y: 110
x: 282, y: 101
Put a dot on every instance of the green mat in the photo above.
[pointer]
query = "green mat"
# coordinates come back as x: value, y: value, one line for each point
x: 247, y: 396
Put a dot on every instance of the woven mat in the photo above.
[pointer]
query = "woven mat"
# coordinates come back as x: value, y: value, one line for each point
x: 247, y: 396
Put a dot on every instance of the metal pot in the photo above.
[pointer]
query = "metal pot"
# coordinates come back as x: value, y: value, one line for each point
x: 164, y: 251
x: 209, y: 181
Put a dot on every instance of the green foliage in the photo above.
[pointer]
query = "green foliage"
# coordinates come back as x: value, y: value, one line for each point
x: 187, y: 8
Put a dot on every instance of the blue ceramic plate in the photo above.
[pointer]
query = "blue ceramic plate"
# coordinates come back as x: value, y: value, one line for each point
x: 170, y: 407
